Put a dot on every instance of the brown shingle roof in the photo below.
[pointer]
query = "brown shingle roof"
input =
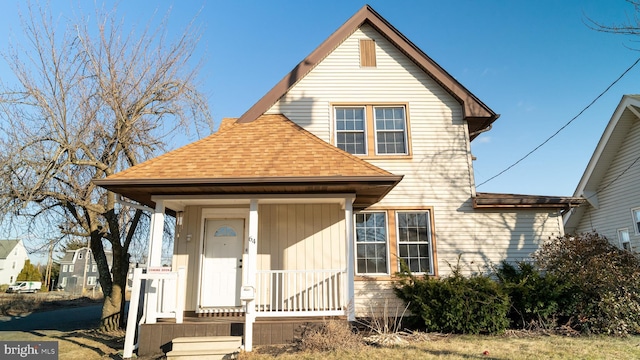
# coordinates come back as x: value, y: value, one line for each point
x: 271, y: 146
x: 271, y: 155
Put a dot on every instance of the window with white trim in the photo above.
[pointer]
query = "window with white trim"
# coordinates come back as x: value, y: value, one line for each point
x: 391, y: 126
x: 91, y: 280
x: 94, y: 268
x: 378, y: 130
x: 636, y: 219
x: 350, y: 129
x: 71, y: 268
x: 414, y: 240
x: 80, y: 256
x: 64, y: 268
x: 623, y: 238
x: 371, y: 243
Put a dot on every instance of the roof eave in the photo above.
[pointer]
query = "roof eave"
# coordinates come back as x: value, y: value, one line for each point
x: 141, y: 190
x: 501, y: 201
x: 473, y: 108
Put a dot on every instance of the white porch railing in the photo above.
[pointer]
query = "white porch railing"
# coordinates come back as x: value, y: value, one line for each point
x: 163, y: 298
x: 300, y: 293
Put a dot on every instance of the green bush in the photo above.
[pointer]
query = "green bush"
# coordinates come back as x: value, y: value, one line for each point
x: 455, y: 304
x: 605, y: 281
x: 537, y: 299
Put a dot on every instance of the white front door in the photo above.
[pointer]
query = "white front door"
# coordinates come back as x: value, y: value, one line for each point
x: 221, y: 270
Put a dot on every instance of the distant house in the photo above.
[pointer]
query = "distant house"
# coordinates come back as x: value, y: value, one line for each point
x: 610, y: 183
x: 358, y: 160
x: 72, y: 270
x: 12, y: 258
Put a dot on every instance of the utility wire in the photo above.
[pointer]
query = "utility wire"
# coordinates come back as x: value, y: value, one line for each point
x: 616, y: 179
x: 563, y: 127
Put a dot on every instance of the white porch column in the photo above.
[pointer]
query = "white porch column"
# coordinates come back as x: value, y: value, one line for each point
x: 154, y: 259
x: 350, y: 298
x: 155, y: 238
x: 251, y: 271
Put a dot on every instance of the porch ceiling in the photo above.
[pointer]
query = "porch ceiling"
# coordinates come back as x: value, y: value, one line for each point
x: 367, y: 189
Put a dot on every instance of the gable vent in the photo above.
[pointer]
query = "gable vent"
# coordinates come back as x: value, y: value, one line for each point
x: 367, y: 53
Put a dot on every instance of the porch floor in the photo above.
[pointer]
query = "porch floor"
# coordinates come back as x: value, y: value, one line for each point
x: 156, y: 338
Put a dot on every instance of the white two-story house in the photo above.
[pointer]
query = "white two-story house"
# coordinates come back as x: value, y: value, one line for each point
x: 304, y: 207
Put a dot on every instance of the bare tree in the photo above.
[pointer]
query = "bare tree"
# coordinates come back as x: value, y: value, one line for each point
x: 630, y: 26
x: 89, y: 101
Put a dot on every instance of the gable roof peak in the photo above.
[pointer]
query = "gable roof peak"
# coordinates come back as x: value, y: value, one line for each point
x: 478, y: 115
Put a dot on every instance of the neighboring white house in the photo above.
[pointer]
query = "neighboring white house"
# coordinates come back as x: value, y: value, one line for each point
x: 611, y: 182
x: 12, y: 258
x: 358, y: 159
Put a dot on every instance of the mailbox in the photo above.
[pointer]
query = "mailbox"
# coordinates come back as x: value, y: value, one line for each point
x: 247, y: 293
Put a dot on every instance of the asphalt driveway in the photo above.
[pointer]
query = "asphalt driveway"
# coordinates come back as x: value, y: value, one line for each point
x: 76, y: 318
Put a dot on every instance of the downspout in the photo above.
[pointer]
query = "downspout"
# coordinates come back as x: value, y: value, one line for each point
x: 481, y: 131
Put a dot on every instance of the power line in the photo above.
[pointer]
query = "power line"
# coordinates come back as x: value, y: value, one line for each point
x: 563, y: 127
x: 616, y: 179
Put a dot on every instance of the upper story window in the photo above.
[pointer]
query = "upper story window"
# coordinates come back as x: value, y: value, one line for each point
x: 636, y: 219
x: 350, y: 130
x: 391, y: 135
x: 377, y: 130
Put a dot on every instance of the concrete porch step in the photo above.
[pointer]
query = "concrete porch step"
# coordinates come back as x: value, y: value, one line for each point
x: 200, y: 354
x: 205, y: 347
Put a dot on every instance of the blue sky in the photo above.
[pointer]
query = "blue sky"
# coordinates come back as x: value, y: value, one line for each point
x: 534, y: 62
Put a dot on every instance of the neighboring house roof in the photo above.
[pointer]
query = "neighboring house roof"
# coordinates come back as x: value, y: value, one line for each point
x: 255, y: 159
x: 626, y: 113
x: 494, y: 200
x: 6, y: 246
x: 70, y: 256
x: 479, y: 116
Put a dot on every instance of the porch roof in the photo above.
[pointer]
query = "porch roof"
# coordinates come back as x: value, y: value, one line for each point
x: 271, y: 155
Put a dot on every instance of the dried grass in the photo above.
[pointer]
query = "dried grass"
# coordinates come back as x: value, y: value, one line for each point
x: 332, y: 335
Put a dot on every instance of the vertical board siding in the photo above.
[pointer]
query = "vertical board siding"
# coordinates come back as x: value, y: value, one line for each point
x: 367, y: 53
x: 301, y: 237
x: 617, y: 198
x: 187, y: 253
x: 438, y: 174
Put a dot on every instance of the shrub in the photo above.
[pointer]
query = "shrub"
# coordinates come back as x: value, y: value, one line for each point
x: 536, y: 298
x: 331, y: 335
x: 455, y: 304
x: 605, y: 281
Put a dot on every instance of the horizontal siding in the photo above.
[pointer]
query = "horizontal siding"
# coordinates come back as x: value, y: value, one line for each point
x: 438, y: 174
x: 374, y: 298
x: 618, y: 198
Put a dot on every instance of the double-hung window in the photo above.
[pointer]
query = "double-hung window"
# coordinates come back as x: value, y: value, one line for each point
x: 636, y: 219
x: 414, y: 240
x: 351, y: 130
x: 391, y: 134
x: 378, y: 130
x: 371, y: 243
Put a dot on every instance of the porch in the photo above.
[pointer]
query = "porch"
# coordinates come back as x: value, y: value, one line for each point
x: 235, y: 273
x: 156, y: 338
x: 286, y: 302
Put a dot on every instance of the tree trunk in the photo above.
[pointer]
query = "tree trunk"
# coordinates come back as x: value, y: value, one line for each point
x: 113, y: 308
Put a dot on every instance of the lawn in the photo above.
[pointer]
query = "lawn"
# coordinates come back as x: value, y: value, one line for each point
x: 480, y: 347
x: 86, y: 345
